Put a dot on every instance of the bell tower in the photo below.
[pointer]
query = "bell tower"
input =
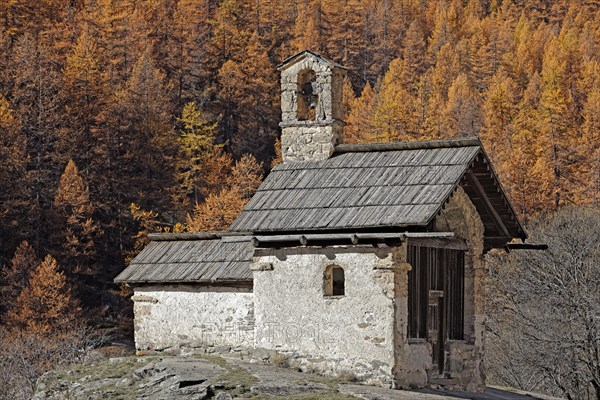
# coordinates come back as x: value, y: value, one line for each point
x: 311, y: 107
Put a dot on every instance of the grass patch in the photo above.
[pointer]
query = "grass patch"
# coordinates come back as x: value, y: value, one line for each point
x: 220, y: 361
x: 311, y: 396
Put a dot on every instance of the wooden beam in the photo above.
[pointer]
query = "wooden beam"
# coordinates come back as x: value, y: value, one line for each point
x: 446, y: 243
x: 354, y: 238
x: 526, y: 246
x: 491, y: 210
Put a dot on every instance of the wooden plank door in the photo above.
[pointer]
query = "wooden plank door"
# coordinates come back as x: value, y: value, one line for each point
x: 435, y: 328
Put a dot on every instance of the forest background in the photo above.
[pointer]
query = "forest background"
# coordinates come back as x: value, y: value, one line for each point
x: 121, y: 117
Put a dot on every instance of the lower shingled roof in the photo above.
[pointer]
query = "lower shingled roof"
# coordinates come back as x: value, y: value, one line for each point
x: 217, y: 260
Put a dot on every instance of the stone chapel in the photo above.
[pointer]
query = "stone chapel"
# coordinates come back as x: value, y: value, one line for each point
x: 365, y: 258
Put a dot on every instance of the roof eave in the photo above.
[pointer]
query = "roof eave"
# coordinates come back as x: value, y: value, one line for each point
x: 299, y: 56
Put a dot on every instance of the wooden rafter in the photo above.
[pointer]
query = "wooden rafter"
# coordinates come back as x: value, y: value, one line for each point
x: 488, y: 205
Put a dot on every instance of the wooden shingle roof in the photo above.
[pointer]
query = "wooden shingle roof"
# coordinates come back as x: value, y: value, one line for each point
x: 186, y: 259
x: 375, y: 186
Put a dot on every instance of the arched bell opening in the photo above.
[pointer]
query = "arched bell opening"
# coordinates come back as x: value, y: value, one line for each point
x: 308, y: 97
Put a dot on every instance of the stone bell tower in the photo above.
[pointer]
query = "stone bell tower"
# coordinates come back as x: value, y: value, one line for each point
x: 311, y: 107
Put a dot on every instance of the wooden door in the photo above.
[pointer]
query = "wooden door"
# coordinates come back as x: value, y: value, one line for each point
x: 435, y: 329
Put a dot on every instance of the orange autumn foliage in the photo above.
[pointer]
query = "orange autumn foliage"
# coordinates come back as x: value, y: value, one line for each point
x: 46, y: 302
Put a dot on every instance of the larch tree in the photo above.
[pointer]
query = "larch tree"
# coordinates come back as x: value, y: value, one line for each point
x: 444, y: 30
x: 142, y: 119
x: 524, y: 171
x: 359, y: 127
x: 258, y: 103
x: 413, y: 57
x: 188, y: 44
x: 15, y: 275
x: 557, y: 125
x: 232, y: 29
x: 110, y: 22
x: 392, y: 115
x: 246, y: 176
x: 196, y: 141
x: 231, y: 88
x: 499, y: 109
x: 439, y: 80
x: 15, y: 197
x: 463, y: 110
x: 221, y: 209
x: 85, y: 92
x: 80, y: 232
x: 217, y: 212
x: 37, y: 102
x: 308, y: 27
x: 589, y: 146
x: 348, y: 97
x: 46, y: 302
x: 346, y: 40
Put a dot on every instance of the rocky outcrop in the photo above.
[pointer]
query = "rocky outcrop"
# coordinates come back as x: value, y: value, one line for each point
x: 201, y: 377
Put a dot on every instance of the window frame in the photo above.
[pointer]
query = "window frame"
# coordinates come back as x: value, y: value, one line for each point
x: 329, y: 287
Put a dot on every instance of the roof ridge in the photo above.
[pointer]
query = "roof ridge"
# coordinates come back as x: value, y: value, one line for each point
x: 165, y: 237
x: 408, y: 145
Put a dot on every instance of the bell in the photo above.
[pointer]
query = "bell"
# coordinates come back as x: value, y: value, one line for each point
x: 313, y: 95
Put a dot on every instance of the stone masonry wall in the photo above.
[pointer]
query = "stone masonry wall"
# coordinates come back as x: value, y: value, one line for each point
x: 314, y: 139
x: 176, y: 316
x: 310, y: 142
x: 354, y: 332
x: 464, y: 358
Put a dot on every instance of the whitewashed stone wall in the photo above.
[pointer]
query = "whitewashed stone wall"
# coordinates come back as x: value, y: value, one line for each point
x: 354, y: 332
x: 176, y: 316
